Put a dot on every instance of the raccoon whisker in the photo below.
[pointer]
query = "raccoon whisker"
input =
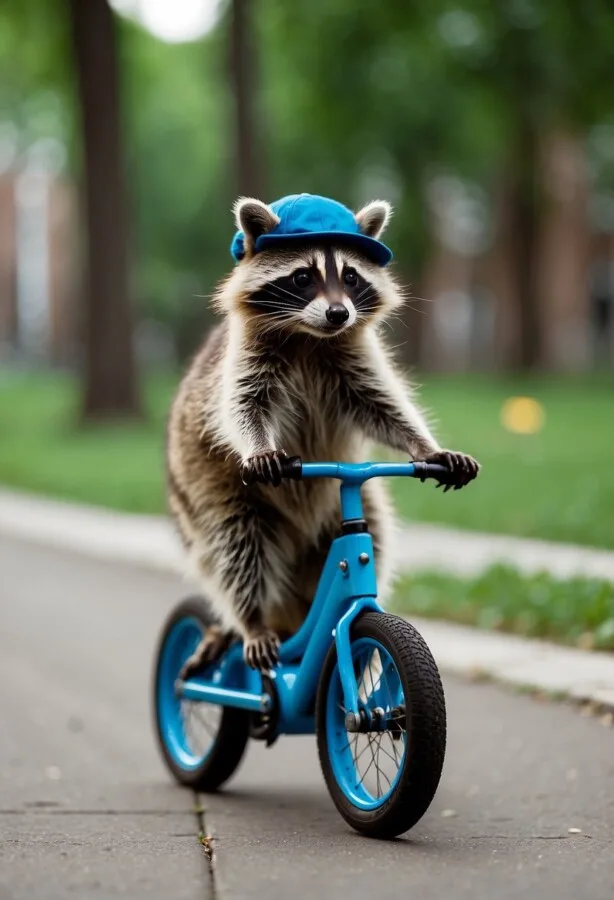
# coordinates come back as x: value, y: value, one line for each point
x: 288, y: 304
x: 276, y: 312
x: 384, y: 321
x: 274, y: 298
x: 365, y: 300
x: 361, y: 310
x: 274, y: 303
x: 277, y: 287
x: 398, y: 346
x: 273, y: 319
x: 399, y: 318
x: 279, y: 322
x: 369, y: 287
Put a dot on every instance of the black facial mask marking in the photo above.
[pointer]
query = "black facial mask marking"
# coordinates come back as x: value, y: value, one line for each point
x: 284, y: 295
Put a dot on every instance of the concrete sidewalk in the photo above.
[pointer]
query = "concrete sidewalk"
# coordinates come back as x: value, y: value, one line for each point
x: 151, y: 541
x: 87, y: 812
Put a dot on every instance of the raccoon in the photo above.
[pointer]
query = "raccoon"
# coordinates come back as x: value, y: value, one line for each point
x: 297, y: 366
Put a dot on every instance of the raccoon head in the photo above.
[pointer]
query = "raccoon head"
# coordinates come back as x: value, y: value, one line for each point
x: 319, y: 287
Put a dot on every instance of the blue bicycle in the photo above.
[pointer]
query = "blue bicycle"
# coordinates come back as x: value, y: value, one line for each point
x: 362, y: 680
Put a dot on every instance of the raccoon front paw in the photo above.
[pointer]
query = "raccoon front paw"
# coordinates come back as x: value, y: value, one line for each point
x: 263, y: 468
x: 261, y: 651
x: 463, y: 468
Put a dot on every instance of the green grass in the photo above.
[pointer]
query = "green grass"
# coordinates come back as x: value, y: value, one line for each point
x: 557, y: 484
x: 578, y: 612
x: 42, y: 449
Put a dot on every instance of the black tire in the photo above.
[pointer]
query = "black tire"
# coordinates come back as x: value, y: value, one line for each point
x: 231, y: 739
x: 425, y: 725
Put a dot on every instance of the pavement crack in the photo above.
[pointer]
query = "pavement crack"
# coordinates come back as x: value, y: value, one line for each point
x: 528, y: 837
x: 205, y: 839
x: 44, y: 810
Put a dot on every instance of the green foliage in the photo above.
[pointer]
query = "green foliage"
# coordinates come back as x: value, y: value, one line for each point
x: 181, y: 193
x: 577, y: 611
x: 35, y: 71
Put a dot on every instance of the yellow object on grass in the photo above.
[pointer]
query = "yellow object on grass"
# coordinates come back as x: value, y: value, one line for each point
x: 522, y: 415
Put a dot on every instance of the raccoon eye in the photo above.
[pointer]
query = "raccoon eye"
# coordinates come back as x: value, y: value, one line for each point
x: 302, y: 278
x: 350, y: 277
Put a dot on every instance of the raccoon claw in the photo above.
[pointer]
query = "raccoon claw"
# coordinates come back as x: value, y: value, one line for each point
x: 263, y: 468
x: 210, y: 648
x: 261, y: 651
x: 463, y: 468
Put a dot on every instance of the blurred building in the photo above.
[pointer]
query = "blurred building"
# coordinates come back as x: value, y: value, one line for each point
x: 39, y: 255
x: 472, y: 277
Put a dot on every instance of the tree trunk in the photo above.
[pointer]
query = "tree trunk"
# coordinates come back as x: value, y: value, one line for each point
x: 111, y: 389
x: 564, y: 254
x: 524, y: 222
x: 243, y: 75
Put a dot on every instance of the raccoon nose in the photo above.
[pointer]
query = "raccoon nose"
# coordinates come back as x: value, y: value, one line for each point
x: 337, y: 314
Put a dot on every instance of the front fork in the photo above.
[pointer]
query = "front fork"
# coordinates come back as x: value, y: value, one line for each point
x: 354, y: 716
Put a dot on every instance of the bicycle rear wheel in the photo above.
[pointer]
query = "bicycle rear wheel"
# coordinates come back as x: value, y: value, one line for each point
x: 201, y: 743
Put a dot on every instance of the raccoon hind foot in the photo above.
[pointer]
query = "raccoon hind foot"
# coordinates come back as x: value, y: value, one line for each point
x: 261, y: 650
x: 213, y: 644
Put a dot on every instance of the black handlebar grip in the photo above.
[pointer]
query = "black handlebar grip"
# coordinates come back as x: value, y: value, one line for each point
x: 292, y: 467
x: 442, y: 474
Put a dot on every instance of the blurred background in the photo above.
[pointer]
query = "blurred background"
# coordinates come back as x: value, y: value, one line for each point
x: 128, y: 127
x: 489, y: 125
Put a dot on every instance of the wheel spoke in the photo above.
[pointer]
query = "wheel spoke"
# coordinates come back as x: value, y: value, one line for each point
x: 373, y: 761
x: 198, y: 714
x: 366, y: 771
x: 383, y: 749
x: 394, y: 748
x: 364, y: 749
x: 383, y: 771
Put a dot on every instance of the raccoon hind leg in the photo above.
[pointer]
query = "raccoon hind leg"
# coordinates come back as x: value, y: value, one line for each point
x: 250, y: 559
x: 215, y: 641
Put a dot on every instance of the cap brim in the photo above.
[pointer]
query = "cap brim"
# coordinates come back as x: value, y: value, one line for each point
x: 370, y: 247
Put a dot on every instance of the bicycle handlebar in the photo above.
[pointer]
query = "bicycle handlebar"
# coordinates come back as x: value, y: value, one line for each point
x: 355, y: 473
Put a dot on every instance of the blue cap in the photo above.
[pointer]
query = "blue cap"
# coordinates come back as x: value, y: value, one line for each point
x: 307, y: 217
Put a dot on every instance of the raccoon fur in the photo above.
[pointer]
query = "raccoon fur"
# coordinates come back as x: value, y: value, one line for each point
x: 297, y: 366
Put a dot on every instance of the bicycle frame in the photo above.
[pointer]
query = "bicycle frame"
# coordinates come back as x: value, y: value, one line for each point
x: 347, y: 588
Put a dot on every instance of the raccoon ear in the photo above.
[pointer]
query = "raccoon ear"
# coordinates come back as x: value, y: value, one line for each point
x: 374, y: 217
x: 253, y: 218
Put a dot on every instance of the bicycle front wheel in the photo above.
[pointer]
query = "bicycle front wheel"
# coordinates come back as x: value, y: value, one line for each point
x: 383, y: 778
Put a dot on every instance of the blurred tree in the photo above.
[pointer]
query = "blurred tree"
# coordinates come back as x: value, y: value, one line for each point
x: 110, y: 371
x: 244, y: 81
x: 545, y: 64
